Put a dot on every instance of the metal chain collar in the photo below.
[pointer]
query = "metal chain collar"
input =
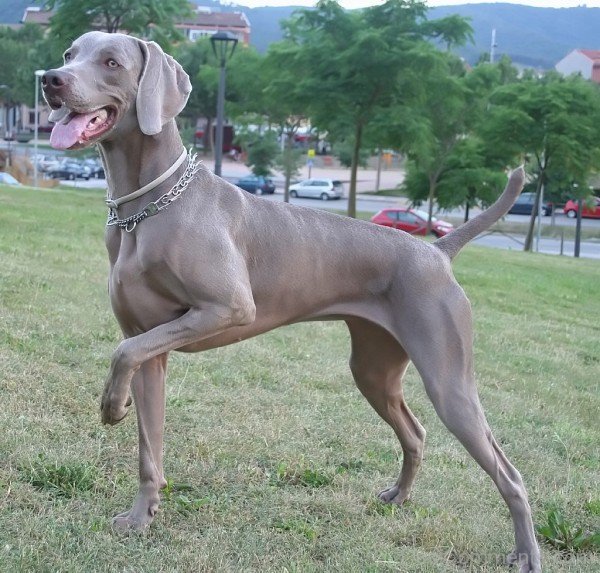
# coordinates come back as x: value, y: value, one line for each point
x: 130, y: 223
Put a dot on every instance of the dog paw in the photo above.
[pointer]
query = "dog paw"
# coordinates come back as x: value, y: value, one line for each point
x: 125, y: 523
x: 140, y: 516
x: 111, y: 412
x: 526, y: 562
x: 393, y: 495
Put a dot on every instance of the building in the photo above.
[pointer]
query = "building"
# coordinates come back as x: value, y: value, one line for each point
x: 584, y: 62
x: 201, y: 23
x: 204, y: 22
x: 36, y: 15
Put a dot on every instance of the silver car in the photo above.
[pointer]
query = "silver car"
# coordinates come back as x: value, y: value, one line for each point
x: 324, y: 189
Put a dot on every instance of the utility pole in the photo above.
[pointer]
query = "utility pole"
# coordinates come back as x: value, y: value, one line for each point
x: 493, y: 47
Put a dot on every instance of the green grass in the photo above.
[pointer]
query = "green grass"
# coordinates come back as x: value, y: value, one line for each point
x: 273, y: 457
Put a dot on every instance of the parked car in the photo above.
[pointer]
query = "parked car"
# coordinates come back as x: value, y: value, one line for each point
x: 8, y: 179
x: 47, y: 162
x: 589, y: 210
x: 524, y: 205
x: 411, y: 221
x: 95, y: 168
x: 256, y: 184
x: 318, y: 188
x: 70, y: 170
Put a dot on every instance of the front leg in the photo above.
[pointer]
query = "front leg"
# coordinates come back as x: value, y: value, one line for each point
x: 194, y: 326
x: 148, y: 388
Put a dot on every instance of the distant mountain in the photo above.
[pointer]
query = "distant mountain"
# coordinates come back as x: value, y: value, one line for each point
x: 11, y: 11
x: 266, y: 24
x: 537, y: 37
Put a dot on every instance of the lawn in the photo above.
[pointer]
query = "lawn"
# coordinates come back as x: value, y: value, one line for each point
x: 272, y: 455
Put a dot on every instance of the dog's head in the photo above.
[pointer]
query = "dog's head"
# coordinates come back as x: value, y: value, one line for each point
x: 110, y: 84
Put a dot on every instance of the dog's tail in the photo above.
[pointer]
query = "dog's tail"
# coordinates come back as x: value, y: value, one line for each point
x: 453, y: 242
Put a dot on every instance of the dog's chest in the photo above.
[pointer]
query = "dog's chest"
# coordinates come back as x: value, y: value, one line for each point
x: 138, y: 285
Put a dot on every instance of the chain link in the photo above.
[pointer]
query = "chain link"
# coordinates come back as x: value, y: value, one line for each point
x: 130, y: 223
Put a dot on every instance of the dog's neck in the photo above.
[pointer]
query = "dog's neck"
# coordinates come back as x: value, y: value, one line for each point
x: 133, y: 162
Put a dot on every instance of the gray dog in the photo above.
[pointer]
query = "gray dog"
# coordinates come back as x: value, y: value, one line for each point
x: 196, y: 263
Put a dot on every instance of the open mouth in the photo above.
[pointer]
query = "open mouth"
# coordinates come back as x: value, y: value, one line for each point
x: 76, y: 130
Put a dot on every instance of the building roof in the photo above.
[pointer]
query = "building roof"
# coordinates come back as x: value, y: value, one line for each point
x: 37, y: 15
x: 199, y: 17
x: 591, y: 54
x: 218, y: 19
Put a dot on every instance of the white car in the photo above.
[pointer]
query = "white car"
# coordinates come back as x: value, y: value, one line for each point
x: 324, y: 189
x: 47, y: 162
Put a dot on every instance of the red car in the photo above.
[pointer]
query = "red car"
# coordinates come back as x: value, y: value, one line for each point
x: 412, y: 221
x: 592, y: 210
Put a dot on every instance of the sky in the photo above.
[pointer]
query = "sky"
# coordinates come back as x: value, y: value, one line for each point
x: 363, y: 3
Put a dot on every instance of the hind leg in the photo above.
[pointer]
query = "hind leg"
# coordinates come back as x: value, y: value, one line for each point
x: 378, y: 363
x: 439, y: 341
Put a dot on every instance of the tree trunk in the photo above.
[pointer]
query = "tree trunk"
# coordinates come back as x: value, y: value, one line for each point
x: 209, y: 137
x: 534, y: 212
x: 287, y: 172
x: 354, y: 171
x: 430, y: 199
x: 289, y: 140
x: 470, y: 199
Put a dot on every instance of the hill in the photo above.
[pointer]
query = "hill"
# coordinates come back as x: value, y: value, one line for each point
x: 11, y: 11
x: 537, y: 37
x: 530, y: 36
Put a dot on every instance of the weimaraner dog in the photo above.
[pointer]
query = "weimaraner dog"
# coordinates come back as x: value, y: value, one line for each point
x: 196, y: 263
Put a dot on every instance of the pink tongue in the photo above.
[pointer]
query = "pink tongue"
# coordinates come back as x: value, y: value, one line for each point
x: 64, y: 135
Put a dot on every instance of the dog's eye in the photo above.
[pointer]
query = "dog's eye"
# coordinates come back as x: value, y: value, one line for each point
x: 67, y: 57
x: 112, y: 63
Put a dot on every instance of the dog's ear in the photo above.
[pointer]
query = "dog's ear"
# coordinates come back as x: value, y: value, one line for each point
x: 163, y: 89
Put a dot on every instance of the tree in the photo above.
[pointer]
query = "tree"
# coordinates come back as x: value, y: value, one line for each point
x: 199, y: 62
x: 150, y: 18
x: 262, y: 149
x: 264, y: 91
x: 284, y: 99
x: 350, y: 64
x: 289, y: 161
x: 442, y: 114
x: 246, y: 80
x: 24, y: 50
x: 554, y: 121
x: 449, y: 163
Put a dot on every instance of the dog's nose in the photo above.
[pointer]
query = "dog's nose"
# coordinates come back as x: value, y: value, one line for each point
x: 53, y: 80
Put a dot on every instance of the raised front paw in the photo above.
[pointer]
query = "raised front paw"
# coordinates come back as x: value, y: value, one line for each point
x: 112, y: 409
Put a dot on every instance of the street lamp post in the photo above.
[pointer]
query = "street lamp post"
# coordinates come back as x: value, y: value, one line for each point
x: 223, y: 45
x: 6, y: 122
x: 4, y: 118
x: 36, y: 123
